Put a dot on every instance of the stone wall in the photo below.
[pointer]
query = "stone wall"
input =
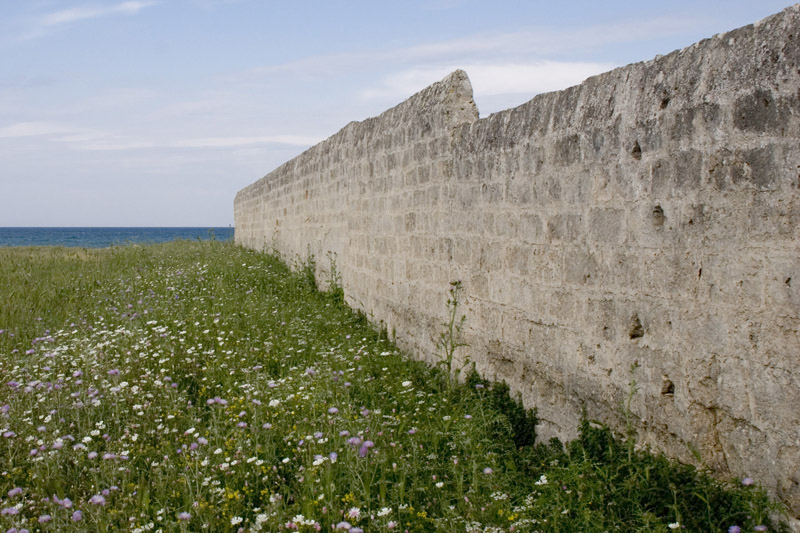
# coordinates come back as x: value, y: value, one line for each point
x: 648, y: 217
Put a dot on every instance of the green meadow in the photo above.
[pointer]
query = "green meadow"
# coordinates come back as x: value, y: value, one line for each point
x: 200, y: 386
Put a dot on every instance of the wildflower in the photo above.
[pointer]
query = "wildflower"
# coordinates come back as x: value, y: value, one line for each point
x: 113, y: 372
x: 354, y: 513
x: 747, y: 481
x: 45, y: 518
x: 333, y: 410
x: 674, y: 525
x: 236, y: 520
x: 542, y: 480
x: 734, y: 529
x: 184, y: 516
x: 9, y: 511
x: 406, y: 384
x: 760, y: 528
x: 343, y: 525
x: 488, y: 471
x: 384, y: 511
x: 77, y: 516
x: 439, y: 485
x: 267, y: 426
x: 97, y: 499
x: 333, y: 456
x: 16, y: 491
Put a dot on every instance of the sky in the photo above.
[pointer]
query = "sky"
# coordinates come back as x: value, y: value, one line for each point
x: 156, y: 112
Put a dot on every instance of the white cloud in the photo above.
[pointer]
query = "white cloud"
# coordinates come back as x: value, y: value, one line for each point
x: 525, y: 47
x: 30, y: 129
x: 491, y: 79
x: 230, y: 142
x: 75, y: 14
x: 97, y: 140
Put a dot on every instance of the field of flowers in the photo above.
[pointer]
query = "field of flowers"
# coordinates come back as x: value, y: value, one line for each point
x: 198, y: 386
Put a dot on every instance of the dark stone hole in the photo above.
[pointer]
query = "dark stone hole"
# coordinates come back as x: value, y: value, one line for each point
x: 664, y: 103
x: 667, y: 388
x: 788, y: 282
x: 658, y: 216
x: 636, y: 151
x: 636, y: 331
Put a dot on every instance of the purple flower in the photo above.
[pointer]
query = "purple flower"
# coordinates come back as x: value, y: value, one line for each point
x: 333, y: 410
x: 344, y: 525
x: 333, y: 456
x: 488, y: 471
x: 45, y: 518
x: 9, y: 511
x: 354, y: 441
x: 97, y: 499
x: 747, y: 481
x: 9, y: 434
x: 267, y: 426
x: 184, y: 516
x: 77, y: 516
x: 760, y: 528
x: 92, y: 455
x: 202, y: 440
x: 113, y: 372
x: 734, y: 529
x: 16, y: 491
x: 242, y: 425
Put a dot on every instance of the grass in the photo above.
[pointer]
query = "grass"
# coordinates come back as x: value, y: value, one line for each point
x: 199, y: 386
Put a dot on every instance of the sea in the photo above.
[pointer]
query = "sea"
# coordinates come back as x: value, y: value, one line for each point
x: 105, y: 237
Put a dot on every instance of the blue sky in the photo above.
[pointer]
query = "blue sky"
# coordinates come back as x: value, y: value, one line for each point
x: 155, y: 112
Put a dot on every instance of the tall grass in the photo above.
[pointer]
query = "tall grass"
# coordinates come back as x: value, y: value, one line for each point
x: 198, y: 386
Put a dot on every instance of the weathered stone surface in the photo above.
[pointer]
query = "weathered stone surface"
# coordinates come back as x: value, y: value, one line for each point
x: 650, y: 215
